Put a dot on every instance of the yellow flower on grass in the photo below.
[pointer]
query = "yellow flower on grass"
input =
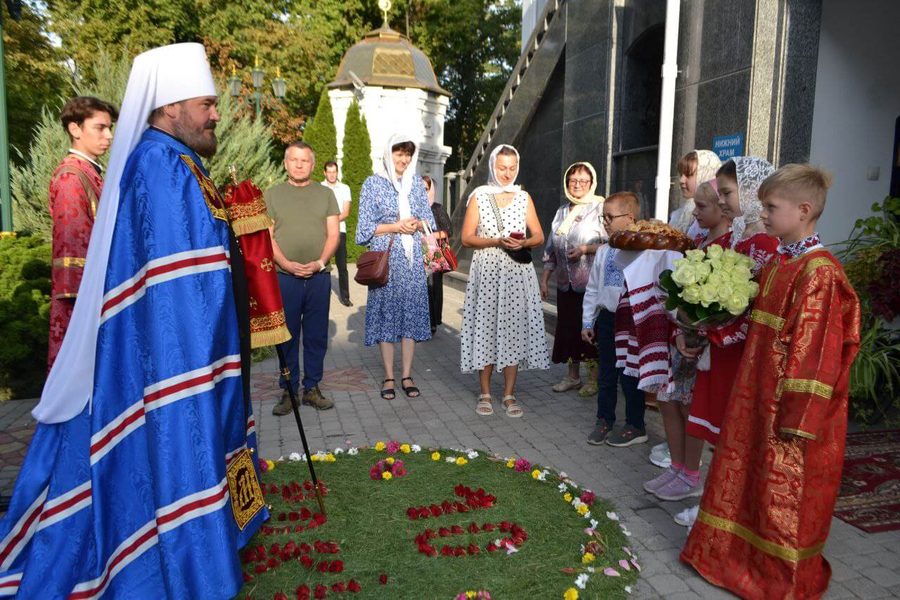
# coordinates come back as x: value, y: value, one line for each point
x: 588, y: 558
x: 461, y: 461
x: 314, y: 458
x: 535, y: 474
x: 582, y: 509
x: 386, y: 475
x: 571, y: 594
x: 471, y: 594
x: 511, y: 463
x: 379, y: 446
x: 389, y: 460
x: 270, y: 464
x: 567, y: 497
x: 405, y: 449
x: 330, y: 457
x: 435, y: 456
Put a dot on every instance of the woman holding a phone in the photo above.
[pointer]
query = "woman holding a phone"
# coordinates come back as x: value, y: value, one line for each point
x: 503, y: 322
x: 575, y: 235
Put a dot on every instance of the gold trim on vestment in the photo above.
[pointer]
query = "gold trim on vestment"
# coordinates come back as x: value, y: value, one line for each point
x: 814, y: 264
x: 782, y: 552
x: 243, y: 486
x: 67, y: 296
x: 798, y: 432
x: 268, y: 330
x: 808, y: 386
x: 773, y: 321
x: 68, y: 261
x: 210, y: 194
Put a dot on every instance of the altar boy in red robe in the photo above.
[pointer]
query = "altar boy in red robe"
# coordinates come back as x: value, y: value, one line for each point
x: 74, y: 192
x: 772, y: 486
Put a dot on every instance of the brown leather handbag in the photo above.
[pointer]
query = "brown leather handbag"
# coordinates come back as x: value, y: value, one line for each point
x: 373, y: 267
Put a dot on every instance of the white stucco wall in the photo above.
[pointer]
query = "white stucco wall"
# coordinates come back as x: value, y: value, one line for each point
x: 531, y: 12
x: 417, y: 112
x: 856, y: 106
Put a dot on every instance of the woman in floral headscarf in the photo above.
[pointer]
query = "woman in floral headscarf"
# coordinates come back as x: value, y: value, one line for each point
x: 575, y: 235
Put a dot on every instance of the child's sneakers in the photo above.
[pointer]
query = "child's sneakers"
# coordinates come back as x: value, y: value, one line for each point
x: 680, y: 487
x: 688, y: 517
x: 627, y: 436
x: 660, y: 456
x: 656, y: 483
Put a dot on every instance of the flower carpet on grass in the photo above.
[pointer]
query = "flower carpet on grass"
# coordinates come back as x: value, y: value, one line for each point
x: 455, y: 524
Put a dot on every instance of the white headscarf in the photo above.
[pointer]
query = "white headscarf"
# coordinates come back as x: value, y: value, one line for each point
x: 708, y: 163
x: 751, y: 172
x: 158, y: 77
x: 403, y: 186
x: 493, y: 185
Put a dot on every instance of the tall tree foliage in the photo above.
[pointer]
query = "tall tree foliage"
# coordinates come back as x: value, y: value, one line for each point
x: 357, y: 165
x: 35, y: 76
x: 244, y: 142
x: 321, y: 134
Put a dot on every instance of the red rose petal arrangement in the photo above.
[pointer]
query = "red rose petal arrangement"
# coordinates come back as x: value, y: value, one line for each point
x: 387, y: 469
x: 474, y: 500
x: 515, y: 538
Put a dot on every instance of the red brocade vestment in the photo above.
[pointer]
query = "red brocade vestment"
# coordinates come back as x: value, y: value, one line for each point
x: 74, y: 193
x: 769, y: 497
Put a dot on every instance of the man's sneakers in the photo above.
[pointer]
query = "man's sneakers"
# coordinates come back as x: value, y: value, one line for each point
x: 627, y: 436
x: 567, y: 384
x: 599, y: 434
x: 314, y: 398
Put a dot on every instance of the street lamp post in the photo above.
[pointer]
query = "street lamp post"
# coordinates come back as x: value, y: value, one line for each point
x: 258, y: 79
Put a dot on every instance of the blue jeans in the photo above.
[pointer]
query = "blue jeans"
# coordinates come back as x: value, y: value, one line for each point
x: 306, y: 306
x: 610, y: 376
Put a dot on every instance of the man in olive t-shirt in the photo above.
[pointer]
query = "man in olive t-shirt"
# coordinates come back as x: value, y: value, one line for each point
x: 304, y: 237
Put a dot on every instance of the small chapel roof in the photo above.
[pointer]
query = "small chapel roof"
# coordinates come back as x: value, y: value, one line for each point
x: 386, y: 58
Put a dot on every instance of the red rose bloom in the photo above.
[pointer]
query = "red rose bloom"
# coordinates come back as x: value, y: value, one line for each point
x: 430, y: 534
x: 282, y: 517
x: 412, y: 513
x: 273, y: 563
x: 435, y: 510
x: 321, y: 591
x: 459, y: 551
x: 460, y: 490
x: 443, y: 532
x: 339, y: 587
x: 260, y: 568
x: 302, y: 591
x: 336, y: 567
x: 492, y: 547
x: 281, y: 596
x: 312, y: 525
x: 322, y: 567
x: 473, y: 549
x: 247, y: 577
x: 382, y: 579
x: 457, y: 529
x: 298, y: 529
x: 293, y: 516
x: 488, y: 527
x: 446, y: 551
x: 307, y: 561
x: 307, y: 485
x: 505, y: 526
x: 473, y: 528
x: 354, y: 586
x: 320, y: 518
x: 305, y: 548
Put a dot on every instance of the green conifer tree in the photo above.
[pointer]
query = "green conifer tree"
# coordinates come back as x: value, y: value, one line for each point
x: 321, y: 134
x: 357, y: 165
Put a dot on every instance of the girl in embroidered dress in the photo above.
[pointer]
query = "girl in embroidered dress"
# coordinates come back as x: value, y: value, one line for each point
x: 503, y: 322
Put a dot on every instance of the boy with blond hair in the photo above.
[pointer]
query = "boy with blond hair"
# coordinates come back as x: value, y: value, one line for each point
x: 601, y: 298
x: 772, y: 486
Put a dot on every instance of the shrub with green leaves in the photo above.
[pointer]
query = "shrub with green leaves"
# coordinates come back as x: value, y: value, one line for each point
x: 357, y: 165
x: 24, y: 315
x: 321, y: 134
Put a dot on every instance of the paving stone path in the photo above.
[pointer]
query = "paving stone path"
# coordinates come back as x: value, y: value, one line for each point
x: 552, y: 432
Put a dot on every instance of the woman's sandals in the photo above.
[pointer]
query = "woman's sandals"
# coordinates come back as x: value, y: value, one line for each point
x: 484, y: 406
x: 388, y: 393
x: 513, y: 410
x: 411, y: 391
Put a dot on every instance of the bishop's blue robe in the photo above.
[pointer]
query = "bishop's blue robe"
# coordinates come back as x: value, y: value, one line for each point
x: 130, y: 498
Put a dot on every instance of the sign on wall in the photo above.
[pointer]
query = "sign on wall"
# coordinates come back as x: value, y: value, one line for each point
x: 729, y: 146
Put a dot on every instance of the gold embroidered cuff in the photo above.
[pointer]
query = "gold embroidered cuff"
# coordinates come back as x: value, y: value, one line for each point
x: 808, y: 386
x: 798, y: 433
x: 68, y: 261
x: 736, y: 529
x: 768, y: 319
x: 70, y: 296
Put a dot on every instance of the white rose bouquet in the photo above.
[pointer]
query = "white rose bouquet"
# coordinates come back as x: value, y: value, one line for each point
x: 708, y: 289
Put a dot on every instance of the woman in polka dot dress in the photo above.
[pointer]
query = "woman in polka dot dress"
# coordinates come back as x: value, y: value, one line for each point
x: 503, y: 322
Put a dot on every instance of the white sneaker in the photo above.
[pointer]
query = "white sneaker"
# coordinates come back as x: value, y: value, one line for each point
x: 661, y: 458
x: 660, y: 447
x: 687, y: 517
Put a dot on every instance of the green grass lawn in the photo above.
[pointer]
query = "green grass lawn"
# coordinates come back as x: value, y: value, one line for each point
x: 368, y: 521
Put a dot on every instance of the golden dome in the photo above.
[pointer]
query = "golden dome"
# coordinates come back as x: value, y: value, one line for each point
x: 386, y: 58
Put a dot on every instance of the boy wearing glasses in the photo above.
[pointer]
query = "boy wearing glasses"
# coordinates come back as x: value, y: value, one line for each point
x: 605, y: 286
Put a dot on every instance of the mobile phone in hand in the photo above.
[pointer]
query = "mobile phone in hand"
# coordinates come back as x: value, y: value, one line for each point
x: 517, y: 235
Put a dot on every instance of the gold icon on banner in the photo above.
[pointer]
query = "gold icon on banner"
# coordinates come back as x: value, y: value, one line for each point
x: 243, y: 485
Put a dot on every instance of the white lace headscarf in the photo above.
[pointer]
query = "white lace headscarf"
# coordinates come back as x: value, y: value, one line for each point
x: 708, y: 163
x: 751, y: 172
x: 402, y: 185
x: 493, y: 185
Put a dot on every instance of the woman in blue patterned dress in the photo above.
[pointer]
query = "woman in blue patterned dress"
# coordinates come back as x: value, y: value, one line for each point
x: 393, y: 204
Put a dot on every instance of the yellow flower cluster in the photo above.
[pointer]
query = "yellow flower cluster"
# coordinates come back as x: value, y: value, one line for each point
x: 461, y: 461
x: 319, y: 458
x: 389, y: 460
x: 435, y: 456
x: 535, y: 474
x: 588, y: 558
x: 567, y: 497
x: 582, y: 509
x: 386, y: 475
x: 511, y: 463
x: 379, y: 446
x: 405, y: 449
x: 571, y: 594
x: 716, y: 275
x: 270, y: 464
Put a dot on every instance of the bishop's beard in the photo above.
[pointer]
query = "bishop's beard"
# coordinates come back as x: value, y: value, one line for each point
x: 200, y: 139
